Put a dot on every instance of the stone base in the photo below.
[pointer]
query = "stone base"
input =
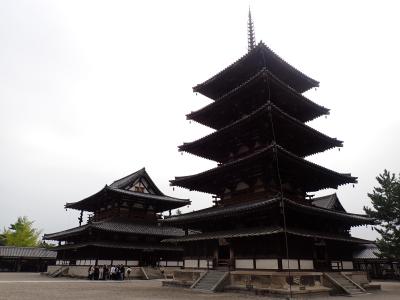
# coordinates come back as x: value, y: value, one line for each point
x: 372, y: 287
x: 82, y: 272
x: 174, y: 283
x: 297, y: 284
x: 284, y: 293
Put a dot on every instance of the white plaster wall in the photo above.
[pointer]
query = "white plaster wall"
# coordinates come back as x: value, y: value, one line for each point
x: 191, y: 263
x: 347, y: 265
x: 203, y: 263
x: 267, y: 264
x: 244, y: 264
x: 306, y: 264
x: 118, y: 262
x: 293, y: 264
x: 132, y: 263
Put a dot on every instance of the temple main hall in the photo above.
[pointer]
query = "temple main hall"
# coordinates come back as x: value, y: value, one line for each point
x: 123, y: 227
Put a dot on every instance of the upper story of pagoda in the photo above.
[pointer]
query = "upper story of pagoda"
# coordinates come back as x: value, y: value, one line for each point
x: 254, y: 92
x: 134, y: 197
x: 261, y: 137
x: 255, y: 60
x: 266, y: 125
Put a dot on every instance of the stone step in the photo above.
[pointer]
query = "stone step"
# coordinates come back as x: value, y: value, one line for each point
x: 209, y: 280
x: 345, y: 283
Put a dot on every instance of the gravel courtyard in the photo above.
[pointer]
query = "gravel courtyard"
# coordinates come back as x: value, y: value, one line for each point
x: 21, y: 286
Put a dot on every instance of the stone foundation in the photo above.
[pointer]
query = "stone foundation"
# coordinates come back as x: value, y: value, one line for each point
x: 300, y: 283
x: 82, y: 271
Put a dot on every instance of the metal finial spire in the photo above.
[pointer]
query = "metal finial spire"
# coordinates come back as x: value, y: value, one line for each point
x: 251, y: 35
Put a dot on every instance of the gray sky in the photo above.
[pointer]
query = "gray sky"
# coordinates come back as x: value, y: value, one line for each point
x: 91, y: 91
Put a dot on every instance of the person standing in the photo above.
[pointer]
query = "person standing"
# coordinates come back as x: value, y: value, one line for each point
x: 105, y: 272
x: 128, y: 272
x: 96, y: 272
x: 112, y: 273
x: 122, y: 269
x: 90, y: 272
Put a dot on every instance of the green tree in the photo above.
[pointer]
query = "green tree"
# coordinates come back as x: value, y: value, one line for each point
x: 21, y: 234
x: 386, y: 210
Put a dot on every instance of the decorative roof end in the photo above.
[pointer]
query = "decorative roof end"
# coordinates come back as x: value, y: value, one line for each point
x: 251, y: 38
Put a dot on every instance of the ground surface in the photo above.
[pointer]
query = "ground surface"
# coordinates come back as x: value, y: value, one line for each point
x: 32, y: 286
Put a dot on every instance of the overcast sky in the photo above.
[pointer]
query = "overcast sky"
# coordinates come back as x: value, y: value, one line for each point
x: 91, y: 91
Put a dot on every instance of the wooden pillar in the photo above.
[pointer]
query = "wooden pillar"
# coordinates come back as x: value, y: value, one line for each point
x: 231, y: 256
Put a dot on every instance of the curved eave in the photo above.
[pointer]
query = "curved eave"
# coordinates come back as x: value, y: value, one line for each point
x: 109, y: 245
x: 55, y: 236
x: 204, y: 147
x: 118, y: 227
x: 221, y: 212
x: 239, y: 210
x: 263, y: 76
x: 162, y: 203
x: 354, y: 219
x: 260, y: 53
x: 332, y: 178
x: 264, y: 231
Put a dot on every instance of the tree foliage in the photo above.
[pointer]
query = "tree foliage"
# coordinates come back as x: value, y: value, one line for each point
x: 386, y: 210
x: 21, y: 234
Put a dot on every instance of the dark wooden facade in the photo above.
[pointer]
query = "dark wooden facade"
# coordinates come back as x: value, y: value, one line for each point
x: 123, y: 226
x: 264, y: 216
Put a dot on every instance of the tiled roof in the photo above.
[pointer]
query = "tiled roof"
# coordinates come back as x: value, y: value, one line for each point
x: 209, y: 181
x: 264, y: 57
x: 122, y: 183
x: 114, y: 245
x: 26, y: 252
x: 164, y: 202
x: 221, y: 212
x: 329, y: 202
x: 256, y: 206
x: 259, y: 231
x: 313, y: 110
x: 369, y: 251
x: 120, y: 188
x: 120, y: 226
x: 360, y: 219
x: 149, y: 196
x: 311, y: 142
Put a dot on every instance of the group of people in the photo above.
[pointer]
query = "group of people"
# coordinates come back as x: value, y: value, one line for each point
x: 119, y: 272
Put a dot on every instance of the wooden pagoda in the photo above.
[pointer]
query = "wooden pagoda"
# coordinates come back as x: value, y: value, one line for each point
x: 123, y: 227
x: 264, y: 216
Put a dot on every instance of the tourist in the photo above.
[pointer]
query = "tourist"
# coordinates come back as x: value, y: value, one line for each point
x: 105, y: 272
x: 96, y: 272
x: 128, y: 272
x: 117, y: 273
x: 101, y: 273
x: 112, y: 273
x: 122, y: 269
x: 90, y: 273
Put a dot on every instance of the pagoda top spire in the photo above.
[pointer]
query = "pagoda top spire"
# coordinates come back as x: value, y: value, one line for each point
x: 251, y: 38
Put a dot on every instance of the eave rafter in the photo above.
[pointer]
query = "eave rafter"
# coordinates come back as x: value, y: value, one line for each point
x: 254, y: 92
x: 292, y: 134
x: 304, y: 173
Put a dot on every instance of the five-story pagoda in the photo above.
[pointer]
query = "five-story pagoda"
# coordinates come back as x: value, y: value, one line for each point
x: 263, y: 215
